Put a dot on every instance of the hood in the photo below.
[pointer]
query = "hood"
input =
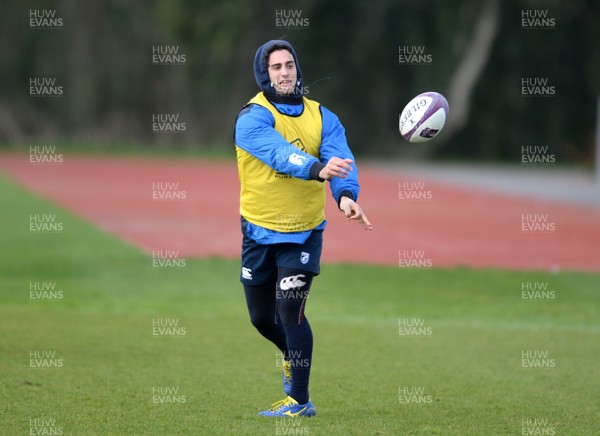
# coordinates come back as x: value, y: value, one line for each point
x: 262, y: 75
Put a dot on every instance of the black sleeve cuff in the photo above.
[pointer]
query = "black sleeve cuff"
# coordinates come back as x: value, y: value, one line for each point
x: 345, y: 193
x: 314, y: 171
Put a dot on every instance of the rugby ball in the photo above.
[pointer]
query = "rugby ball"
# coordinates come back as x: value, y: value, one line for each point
x: 423, y: 117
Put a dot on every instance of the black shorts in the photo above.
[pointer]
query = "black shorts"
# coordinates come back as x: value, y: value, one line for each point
x: 260, y: 262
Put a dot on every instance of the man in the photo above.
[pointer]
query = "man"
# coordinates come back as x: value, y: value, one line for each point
x: 287, y: 146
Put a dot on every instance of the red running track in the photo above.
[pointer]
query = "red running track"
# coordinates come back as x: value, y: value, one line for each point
x: 448, y: 226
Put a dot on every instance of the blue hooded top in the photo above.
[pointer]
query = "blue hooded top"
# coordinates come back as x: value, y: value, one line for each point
x: 261, y: 72
x: 255, y: 133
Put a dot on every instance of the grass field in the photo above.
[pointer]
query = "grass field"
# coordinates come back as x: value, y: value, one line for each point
x: 215, y: 372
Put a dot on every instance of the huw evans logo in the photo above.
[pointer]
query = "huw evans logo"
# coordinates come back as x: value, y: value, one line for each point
x: 44, y: 155
x: 167, y: 395
x: 536, y: 291
x: 297, y: 361
x: 291, y: 293
x: 536, y: 359
x: 537, y: 87
x: 44, y: 19
x: 278, y: 359
x: 290, y: 19
x: 413, y: 259
x: 537, y: 155
x: 536, y: 223
x: 168, y: 191
x: 44, y: 426
x: 167, y: 327
x: 290, y: 222
x: 44, y: 87
x: 44, y: 223
x: 167, y: 55
x: 167, y: 123
x: 302, y: 90
x: 537, y: 19
x: 286, y: 426
x: 413, y: 395
x: 413, y: 55
x: 537, y: 427
x: 413, y: 327
x: 294, y: 358
x: 44, y: 359
x: 167, y: 259
x: 44, y: 291
x: 413, y: 191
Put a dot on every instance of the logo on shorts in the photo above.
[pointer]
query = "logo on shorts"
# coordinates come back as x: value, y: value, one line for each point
x: 247, y: 273
x: 304, y: 257
x: 292, y: 282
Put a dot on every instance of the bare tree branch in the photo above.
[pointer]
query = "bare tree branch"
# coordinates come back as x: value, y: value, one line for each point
x: 470, y: 68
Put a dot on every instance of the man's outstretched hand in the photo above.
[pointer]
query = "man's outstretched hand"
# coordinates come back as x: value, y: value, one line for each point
x: 336, y: 167
x: 354, y: 212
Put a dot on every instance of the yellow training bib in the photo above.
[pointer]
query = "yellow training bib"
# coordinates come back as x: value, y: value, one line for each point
x: 278, y: 201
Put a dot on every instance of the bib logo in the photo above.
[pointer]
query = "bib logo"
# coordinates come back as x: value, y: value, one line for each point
x: 298, y: 144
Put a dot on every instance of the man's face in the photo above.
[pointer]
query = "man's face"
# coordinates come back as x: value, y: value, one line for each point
x: 282, y: 71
